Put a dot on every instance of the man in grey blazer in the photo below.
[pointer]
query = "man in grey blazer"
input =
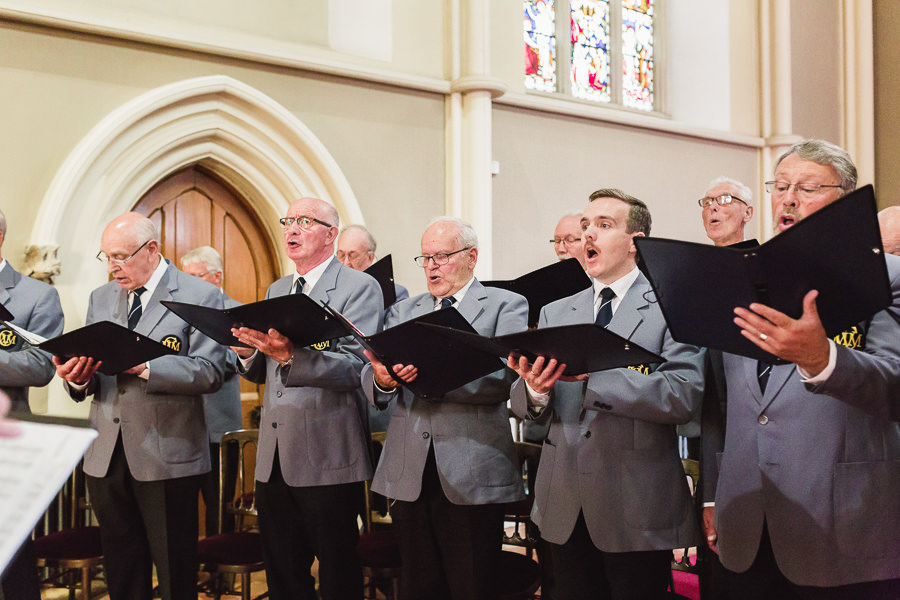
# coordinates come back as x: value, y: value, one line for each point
x: 222, y: 408
x: 450, y: 463
x: 611, y: 494
x: 808, y: 497
x: 35, y: 307
x: 313, y: 452
x: 356, y: 249
x: 143, y: 471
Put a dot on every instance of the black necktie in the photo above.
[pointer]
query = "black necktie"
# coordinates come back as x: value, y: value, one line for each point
x: 300, y: 283
x: 762, y: 373
x: 604, y: 314
x: 447, y: 302
x: 134, y: 315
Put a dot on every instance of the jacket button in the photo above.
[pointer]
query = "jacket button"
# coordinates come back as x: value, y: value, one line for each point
x: 598, y: 404
x: 763, y: 419
x: 587, y: 434
x: 274, y: 425
x: 121, y: 391
x: 426, y: 435
x: 116, y: 420
x: 278, y: 394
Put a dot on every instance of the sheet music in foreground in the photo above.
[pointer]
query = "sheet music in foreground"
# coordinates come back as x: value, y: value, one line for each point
x: 33, y: 467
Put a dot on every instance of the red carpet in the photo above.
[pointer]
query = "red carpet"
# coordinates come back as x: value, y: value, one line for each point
x: 686, y: 584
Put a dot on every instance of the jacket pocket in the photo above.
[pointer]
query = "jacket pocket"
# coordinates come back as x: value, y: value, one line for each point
x: 867, y: 509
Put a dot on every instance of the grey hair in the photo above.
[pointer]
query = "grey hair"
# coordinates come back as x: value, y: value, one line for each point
x: 144, y: 230
x: 466, y: 235
x: 370, y: 240
x: 744, y: 192
x: 2, y: 223
x: 206, y: 254
x: 331, y: 214
x: 827, y: 154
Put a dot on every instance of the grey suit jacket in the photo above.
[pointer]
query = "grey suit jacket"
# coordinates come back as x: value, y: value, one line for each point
x: 469, y: 426
x: 315, y: 412
x: 611, y: 451
x: 35, y: 307
x: 223, y: 408
x: 820, y: 464
x: 160, y: 419
x: 401, y: 293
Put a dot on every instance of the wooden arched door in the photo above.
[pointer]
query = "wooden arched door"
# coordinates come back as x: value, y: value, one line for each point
x: 194, y: 208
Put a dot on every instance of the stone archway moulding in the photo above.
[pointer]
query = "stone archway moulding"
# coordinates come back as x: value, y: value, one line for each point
x: 245, y: 137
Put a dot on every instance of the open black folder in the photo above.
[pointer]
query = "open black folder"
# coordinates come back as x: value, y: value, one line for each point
x: 836, y: 250
x: 5, y: 315
x: 545, y: 285
x: 117, y: 347
x: 383, y: 272
x: 584, y: 348
x: 443, y: 363
x: 296, y: 316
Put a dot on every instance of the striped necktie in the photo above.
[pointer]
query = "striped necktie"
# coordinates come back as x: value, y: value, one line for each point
x: 134, y: 315
x: 604, y: 313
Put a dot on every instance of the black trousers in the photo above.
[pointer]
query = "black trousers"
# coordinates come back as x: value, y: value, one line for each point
x: 146, y: 523
x: 765, y: 580
x: 20, y: 579
x: 298, y: 524
x: 582, y: 571
x: 447, y: 551
x: 209, y: 489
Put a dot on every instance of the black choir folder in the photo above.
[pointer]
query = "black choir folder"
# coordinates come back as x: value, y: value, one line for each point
x: 118, y: 348
x: 5, y: 315
x: 836, y: 250
x: 584, y: 348
x: 383, y: 272
x: 545, y: 285
x: 296, y: 316
x: 443, y: 363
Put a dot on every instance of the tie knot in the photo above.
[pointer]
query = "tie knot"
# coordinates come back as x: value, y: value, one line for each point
x: 607, y: 294
x: 447, y: 302
x: 300, y: 283
x: 140, y: 290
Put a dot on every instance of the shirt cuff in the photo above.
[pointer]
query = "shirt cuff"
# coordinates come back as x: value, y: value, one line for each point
x: 245, y: 362
x: 537, y: 401
x: 145, y: 374
x: 709, y: 504
x: 381, y: 389
x: 826, y: 372
x: 78, y: 386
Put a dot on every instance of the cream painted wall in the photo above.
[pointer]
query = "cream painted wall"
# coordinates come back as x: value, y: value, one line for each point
x: 887, y: 102
x: 538, y: 182
x: 816, y: 66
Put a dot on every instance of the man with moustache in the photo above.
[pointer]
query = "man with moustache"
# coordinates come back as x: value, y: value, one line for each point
x: 143, y: 471
x: 313, y: 443
x: 807, y: 499
x: 35, y: 307
x: 222, y: 408
x: 356, y: 249
x: 567, y: 242
x: 611, y: 496
x: 450, y: 462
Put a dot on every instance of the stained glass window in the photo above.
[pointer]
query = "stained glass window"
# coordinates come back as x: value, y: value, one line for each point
x: 590, y: 49
x: 540, y: 45
x: 637, y: 54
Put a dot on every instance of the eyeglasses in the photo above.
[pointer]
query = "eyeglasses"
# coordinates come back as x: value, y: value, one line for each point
x: 720, y: 200
x: 441, y: 258
x: 566, y: 241
x: 102, y: 257
x: 805, y: 190
x: 303, y: 222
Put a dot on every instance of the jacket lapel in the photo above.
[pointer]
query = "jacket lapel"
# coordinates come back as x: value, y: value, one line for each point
x: 327, y: 282
x: 155, y: 311
x: 9, y: 277
x: 628, y: 314
x: 472, y: 305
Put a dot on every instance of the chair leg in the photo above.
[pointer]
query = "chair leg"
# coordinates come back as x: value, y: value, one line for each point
x: 86, y: 583
x: 245, y: 586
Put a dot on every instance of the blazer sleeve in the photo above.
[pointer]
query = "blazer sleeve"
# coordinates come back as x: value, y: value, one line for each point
x: 671, y: 394
x: 31, y: 366
x: 340, y: 369
x: 870, y: 379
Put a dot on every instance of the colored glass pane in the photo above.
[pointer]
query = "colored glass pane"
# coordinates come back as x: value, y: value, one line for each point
x: 637, y: 54
x: 590, y: 49
x: 540, y: 45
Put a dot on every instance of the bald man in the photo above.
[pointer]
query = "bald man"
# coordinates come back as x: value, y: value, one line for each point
x: 889, y: 222
x: 143, y: 471
x: 313, y: 452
